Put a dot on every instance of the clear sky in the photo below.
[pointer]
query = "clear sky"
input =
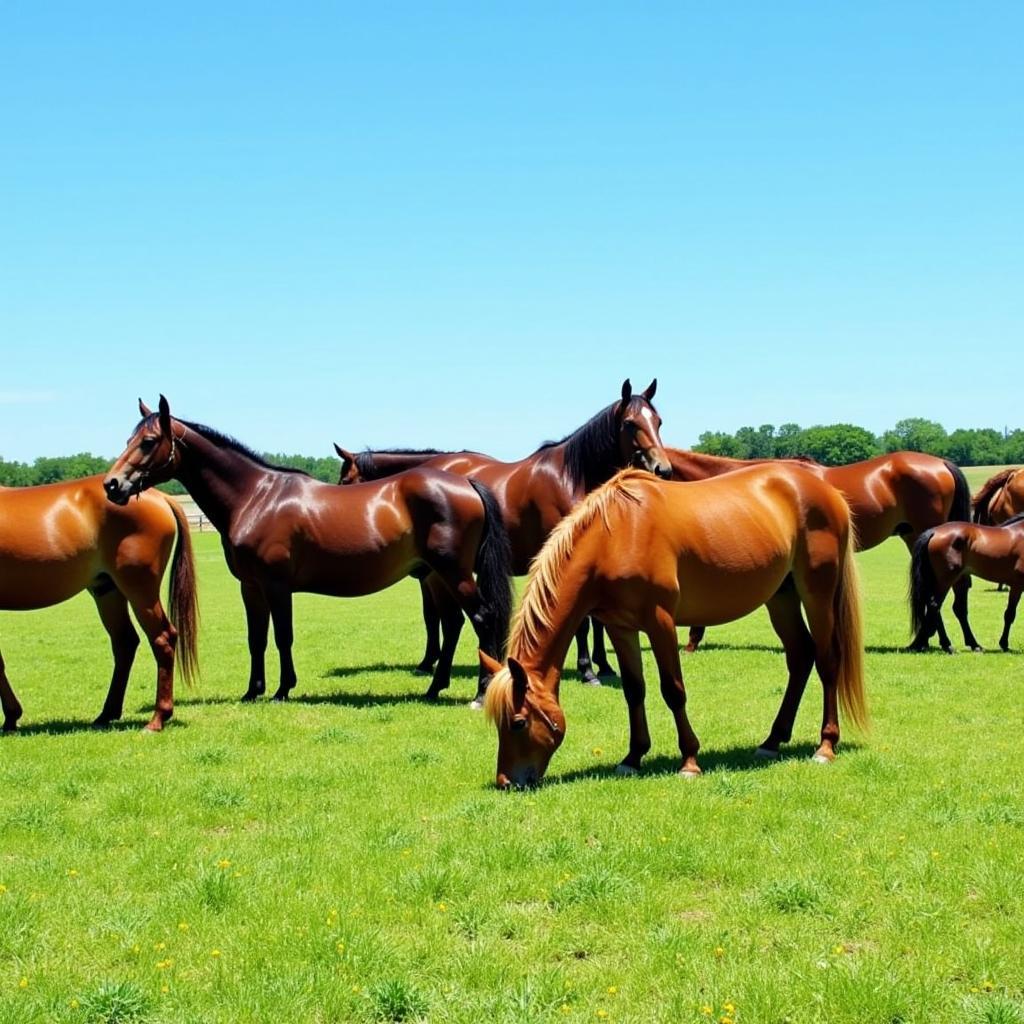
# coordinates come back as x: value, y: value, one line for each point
x: 463, y: 225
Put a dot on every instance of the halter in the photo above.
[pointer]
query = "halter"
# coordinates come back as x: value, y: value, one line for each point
x: 545, y: 718
x: 145, y: 474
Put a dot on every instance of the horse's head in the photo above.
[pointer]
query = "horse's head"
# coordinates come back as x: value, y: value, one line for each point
x: 150, y: 457
x: 638, y: 427
x: 530, y: 723
x: 349, y: 470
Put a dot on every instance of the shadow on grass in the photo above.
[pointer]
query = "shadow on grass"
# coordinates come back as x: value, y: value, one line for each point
x: 344, y: 671
x: 66, y: 726
x: 731, y: 759
x: 373, y: 698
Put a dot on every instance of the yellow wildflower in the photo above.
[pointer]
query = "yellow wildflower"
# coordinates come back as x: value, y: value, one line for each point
x: 602, y: 1014
x: 215, y: 953
x: 443, y: 907
x: 73, y: 873
x: 612, y: 989
x: 183, y: 926
x: 223, y: 863
x: 719, y: 951
x: 3, y: 889
x: 706, y: 1010
x: 597, y: 751
x: 73, y: 1003
x: 23, y: 983
x: 164, y: 989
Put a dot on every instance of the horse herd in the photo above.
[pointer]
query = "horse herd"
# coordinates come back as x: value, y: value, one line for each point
x: 613, y: 528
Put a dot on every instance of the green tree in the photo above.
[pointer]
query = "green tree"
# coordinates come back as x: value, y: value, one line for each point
x: 839, y: 444
x: 714, y: 442
x: 983, y: 447
x: 917, y: 435
x: 789, y: 441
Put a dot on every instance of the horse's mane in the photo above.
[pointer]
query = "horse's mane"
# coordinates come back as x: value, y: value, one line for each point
x: 541, y: 592
x: 591, y: 451
x: 988, y: 491
x: 215, y: 437
x: 368, y: 467
x: 809, y: 459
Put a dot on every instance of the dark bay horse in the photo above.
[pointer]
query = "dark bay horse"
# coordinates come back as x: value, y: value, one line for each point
x: 536, y: 492
x: 644, y: 556
x: 948, y: 553
x: 901, y: 494
x: 283, y: 532
x: 1000, y: 497
x: 59, y: 539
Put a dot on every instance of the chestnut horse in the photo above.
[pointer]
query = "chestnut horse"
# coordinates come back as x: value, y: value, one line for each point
x: 535, y: 493
x: 283, y: 532
x: 1000, y: 497
x: 901, y: 494
x: 950, y: 552
x: 59, y: 539
x: 645, y: 555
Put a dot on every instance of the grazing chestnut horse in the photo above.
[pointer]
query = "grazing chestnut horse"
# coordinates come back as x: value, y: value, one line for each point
x: 645, y: 555
x: 59, y: 539
x: 901, y: 494
x: 284, y: 532
x: 954, y: 550
x: 535, y: 493
x: 1000, y: 498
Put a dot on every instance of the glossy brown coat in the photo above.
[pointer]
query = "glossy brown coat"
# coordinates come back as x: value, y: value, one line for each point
x: 1000, y: 498
x: 59, y: 539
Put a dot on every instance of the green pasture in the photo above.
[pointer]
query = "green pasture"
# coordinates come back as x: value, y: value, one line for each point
x: 344, y: 856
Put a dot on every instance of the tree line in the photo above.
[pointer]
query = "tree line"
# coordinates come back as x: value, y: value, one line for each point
x: 840, y: 443
x: 833, y: 445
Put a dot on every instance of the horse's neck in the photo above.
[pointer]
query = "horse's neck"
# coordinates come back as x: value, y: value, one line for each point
x: 218, y: 479
x: 697, y: 466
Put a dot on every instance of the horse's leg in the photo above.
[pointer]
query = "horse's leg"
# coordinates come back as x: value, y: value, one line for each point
x: 583, y: 663
x: 961, y: 589
x: 257, y: 620
x: 627, y: 649
x: 600, y: 657
x: 432, y: 622
x: 451, y: 619
x: 696, y: 635
x: 124, y: 642
x: 818, y: 605
x: 9, y: 703
x: 144, y: 597
x: 1009, y: 615
x: 280, y: 600
x: 664, y: 643
x: 933, y: 624
x: 784, y: 612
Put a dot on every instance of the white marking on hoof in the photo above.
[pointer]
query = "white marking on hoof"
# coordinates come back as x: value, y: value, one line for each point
x: 626, y: 769
x: 688, y: 775
x: 765, y: 754
x: 821, y: 759
x: 476, y: 704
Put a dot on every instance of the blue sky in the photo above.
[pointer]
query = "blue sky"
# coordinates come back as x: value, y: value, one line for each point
x: 464, y: 225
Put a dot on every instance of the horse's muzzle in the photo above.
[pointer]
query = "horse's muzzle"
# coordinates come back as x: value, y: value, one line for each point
x: 116, y: 491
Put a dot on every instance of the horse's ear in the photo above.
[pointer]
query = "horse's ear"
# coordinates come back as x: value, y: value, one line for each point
x: 627, y: 391
x: 144, y: 409
x: 344, y: 454
x: 165, y: 416
x: 488, y: 664
x: 651, y: 388
x: 520, y: 682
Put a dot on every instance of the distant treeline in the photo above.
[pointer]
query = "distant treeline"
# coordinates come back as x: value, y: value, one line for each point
x: 49, y: 470
x: 833, y: 445
x: 839, y: 443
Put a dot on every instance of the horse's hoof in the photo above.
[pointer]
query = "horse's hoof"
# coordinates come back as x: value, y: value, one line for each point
x: 626, y: 769
x: 948, y: 650
x: 12, y: 726
x: 689, y: 774
x: 977, y: 649
x: 589, y: 679
x: 280, y: 695
x: 98, y: 723
x: 152, y: 728
x: 476, y: 704
x: 821, y: 759
x: 605, y: 670
x: 424, y: 668
x: 767, y: 754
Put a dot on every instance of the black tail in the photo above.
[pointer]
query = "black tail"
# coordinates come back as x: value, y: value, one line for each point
x: 494, y: 568
x: 922, y: 583
x: 960, y: 510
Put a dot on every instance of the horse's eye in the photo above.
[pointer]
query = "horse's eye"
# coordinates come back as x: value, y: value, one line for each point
x: 631, y: 427
x: 518, y: 723
x: 147, y: 444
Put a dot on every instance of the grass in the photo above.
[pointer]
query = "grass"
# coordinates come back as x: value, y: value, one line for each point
x: 344, y: 857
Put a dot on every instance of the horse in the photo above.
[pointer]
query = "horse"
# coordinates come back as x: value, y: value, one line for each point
x: 284, y: 532
x: 900, y: 494
x: 999, y: 498
x: 59, y: 539
x: 645, y: 555
x: 535, y: 493
x: 948, y: 553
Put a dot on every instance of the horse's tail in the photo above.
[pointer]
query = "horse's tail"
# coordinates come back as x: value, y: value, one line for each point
x: 922, y: 582
x: 960, y: 510
x: 494, y: 567
x: 183, y: 606
x: 848, y: 640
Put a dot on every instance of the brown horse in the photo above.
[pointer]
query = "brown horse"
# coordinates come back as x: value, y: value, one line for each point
x: 646, y: 555
x: 535, y: 493
x: 950, y: 552
x: 901, y: 494
x: 1000, y: 498
x: 59, y: 539
x: 283, y: 532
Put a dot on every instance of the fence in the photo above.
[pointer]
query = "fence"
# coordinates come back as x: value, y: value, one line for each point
x: 197, y: 522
